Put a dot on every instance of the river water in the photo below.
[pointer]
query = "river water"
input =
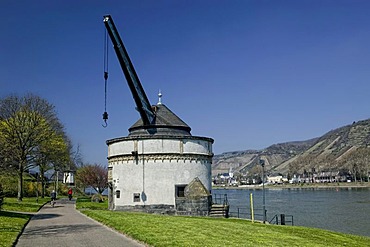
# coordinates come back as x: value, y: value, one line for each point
x: 344, y: 210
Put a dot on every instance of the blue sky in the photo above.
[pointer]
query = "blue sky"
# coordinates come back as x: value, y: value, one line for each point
x: 246, y: 73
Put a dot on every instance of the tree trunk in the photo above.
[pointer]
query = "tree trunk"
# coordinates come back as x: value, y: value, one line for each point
x: 42, y: 182
x: 20, y: 182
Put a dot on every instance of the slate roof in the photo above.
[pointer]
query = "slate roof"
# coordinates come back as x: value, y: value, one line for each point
x: 165, y: 123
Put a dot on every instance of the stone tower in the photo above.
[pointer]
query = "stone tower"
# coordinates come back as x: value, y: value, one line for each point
x: 151, y: 168
x: 159, y: 167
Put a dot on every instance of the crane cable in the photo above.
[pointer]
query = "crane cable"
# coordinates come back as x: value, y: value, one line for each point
x: 105, y: 114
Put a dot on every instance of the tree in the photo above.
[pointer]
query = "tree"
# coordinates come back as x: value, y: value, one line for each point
x: 94, y: 175
x: 26, y: 125
x: 52, y: 154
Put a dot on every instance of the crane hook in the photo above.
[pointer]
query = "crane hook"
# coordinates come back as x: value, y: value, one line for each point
x: 105, y: 118
x: 105, y: 114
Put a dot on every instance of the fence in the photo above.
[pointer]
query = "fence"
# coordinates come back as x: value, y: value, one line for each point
x: 284, y: 218
x: 245, y: 213
x: 220, y: 199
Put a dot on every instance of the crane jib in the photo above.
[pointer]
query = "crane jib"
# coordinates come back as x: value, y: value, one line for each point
x: 138, y: 93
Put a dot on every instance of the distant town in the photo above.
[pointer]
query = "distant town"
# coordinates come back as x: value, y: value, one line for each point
x: 236, y: 179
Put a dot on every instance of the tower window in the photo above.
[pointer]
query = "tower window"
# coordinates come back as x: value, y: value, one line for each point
x: 180, y: 190
x: 136, y: 197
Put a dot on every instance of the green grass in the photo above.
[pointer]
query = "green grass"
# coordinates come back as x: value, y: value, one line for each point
x: 11, y: 224
x: 26, y: 205
x: 85, y: 203
x: 160, y: 230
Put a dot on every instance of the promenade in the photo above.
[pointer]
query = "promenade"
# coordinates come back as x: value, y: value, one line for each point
x: 63, y: 225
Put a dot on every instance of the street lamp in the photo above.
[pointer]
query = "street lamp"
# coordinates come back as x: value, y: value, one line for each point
x: 262, y: 163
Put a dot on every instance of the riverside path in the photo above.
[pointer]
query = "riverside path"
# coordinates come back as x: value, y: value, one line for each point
x: 63, y: 225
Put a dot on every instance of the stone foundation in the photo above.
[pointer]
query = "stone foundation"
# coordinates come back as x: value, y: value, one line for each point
x: 152, y: 209
x: 193, y: 207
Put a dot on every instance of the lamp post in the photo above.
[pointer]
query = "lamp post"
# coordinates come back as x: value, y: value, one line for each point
x: 262, y: 163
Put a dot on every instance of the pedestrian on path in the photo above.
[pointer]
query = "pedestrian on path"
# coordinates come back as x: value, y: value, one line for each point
x: 70, y: 192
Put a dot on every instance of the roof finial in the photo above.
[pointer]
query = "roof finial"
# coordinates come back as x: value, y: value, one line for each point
x: 159, y: 98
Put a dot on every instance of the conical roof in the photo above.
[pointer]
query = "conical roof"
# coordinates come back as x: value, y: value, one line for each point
x: 165, y: 123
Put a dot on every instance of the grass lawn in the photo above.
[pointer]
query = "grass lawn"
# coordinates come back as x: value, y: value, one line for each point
x: 11, y: 223
x: 161, y: 230
x: 26, y: 205
x: 10, y: 226
x: 85, y: 203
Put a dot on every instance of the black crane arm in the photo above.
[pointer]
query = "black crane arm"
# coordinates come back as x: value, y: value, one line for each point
x: 141, y: 100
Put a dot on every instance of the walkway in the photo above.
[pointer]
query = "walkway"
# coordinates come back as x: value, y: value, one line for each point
x: 63, y: 225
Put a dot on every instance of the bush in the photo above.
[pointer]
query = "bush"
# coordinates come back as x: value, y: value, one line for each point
x: 30, y: 188
x: 9, y: 184
x: 97, y: 198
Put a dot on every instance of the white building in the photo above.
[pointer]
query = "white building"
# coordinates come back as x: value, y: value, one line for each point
x: 151, y: 168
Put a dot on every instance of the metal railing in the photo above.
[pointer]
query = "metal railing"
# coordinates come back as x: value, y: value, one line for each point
x: 220, y: 199
x: 284, y: 218
x: 245, y: 213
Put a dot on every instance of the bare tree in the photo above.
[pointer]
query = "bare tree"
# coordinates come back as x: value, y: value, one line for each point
x: 95, y: 176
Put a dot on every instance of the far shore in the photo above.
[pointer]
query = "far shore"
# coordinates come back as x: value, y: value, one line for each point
x: 299, y: 186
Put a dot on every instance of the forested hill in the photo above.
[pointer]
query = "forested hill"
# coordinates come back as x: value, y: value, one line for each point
x: 338, y: 149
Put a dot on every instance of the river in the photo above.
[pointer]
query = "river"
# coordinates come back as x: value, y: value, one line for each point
x: 344, y: 210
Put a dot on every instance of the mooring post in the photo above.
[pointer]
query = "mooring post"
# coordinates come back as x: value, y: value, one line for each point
x: 251, y: 206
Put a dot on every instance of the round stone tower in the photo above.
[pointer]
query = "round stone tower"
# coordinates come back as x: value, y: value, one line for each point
x: 160, y: 167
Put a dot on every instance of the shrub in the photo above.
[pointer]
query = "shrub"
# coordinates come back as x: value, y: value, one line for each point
x: 97, y: 198
x: 9, y: 184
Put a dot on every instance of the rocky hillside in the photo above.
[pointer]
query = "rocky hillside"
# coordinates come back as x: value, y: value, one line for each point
x: 330, y: 151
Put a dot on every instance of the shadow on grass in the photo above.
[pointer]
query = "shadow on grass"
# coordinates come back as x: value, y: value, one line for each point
x: 15, y: 215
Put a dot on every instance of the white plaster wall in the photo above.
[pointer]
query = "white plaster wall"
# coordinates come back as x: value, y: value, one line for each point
x: 119, y: 148
x: 148, y: 146
x: 197, y: 147
x: 157, y: 177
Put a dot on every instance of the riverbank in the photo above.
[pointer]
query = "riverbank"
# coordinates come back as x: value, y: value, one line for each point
x: 162, y: 230
x: 299, y: 186
x: 341, y: 209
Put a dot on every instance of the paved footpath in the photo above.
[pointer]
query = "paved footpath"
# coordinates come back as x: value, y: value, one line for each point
x: 63, y: 225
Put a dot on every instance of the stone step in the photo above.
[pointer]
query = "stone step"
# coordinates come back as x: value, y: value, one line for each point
x: 219, y: 210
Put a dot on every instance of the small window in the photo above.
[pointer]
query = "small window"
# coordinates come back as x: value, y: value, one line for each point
x: 136, y: 197
x: 118, y: 194
x: 180, y: 190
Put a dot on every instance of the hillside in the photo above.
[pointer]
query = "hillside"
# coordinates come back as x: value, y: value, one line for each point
x: 335, y: 150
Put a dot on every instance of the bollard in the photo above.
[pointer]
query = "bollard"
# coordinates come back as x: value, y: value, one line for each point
x: 282, y: 219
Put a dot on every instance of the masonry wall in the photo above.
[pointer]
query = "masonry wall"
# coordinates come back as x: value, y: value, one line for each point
x: 158, y: 166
